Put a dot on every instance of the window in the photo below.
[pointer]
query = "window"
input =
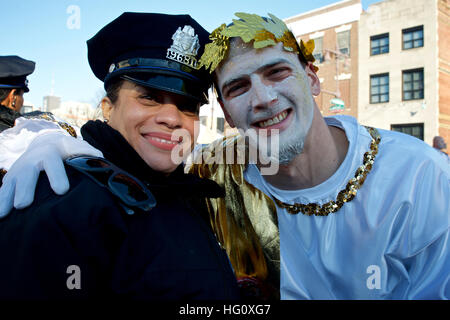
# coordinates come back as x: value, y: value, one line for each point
x: 379, y: 88
x: 220, y: 124
x: 343, y: 39
x: 413, y: 129
x: 318, y: 49
x: 379, y: 44
x: 413, y: 38
x: 413, y: 84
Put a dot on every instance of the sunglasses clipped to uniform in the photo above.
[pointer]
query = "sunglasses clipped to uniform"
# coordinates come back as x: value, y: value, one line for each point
x: 131, y: 192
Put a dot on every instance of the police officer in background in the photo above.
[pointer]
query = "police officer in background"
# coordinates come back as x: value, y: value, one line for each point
x: 13, y: 84
x: 439, y: 145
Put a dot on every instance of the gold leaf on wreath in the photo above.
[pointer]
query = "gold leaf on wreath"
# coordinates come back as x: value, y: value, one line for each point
x: 277, y: 27
x: 263, y: 44
x: 308, y: 49
x: 246, y: 28
x: 263, y: 33
x: 263, y: 39
x: 215, y: 51
x: 289, y: 42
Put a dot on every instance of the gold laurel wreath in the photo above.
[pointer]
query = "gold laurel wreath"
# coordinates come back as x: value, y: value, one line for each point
x: 263, y: 33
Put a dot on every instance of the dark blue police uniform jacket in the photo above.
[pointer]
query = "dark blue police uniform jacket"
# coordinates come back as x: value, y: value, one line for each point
x: 84, y: 245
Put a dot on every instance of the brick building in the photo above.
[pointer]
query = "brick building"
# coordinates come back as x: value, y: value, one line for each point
x: 390, y: 65
x: 334, y: 29
x: 443, y: 30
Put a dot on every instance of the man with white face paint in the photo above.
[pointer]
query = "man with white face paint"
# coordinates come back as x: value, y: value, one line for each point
x: 268, y: 91
x: 359, y: 213
x: 362, y: 213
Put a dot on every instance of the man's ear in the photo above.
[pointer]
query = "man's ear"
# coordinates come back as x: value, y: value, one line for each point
x: 107, y: 107
x: 226, y: 114
x: 10, y: 99
x: 12, y: 94
x: 314, y: 81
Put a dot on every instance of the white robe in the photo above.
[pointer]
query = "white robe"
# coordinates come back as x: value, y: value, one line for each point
x: 390, y: 242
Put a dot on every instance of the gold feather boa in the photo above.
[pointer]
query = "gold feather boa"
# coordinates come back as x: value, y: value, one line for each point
x: 245, y: 220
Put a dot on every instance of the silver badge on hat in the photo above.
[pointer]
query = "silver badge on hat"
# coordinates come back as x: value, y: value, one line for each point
x: 185, y: 46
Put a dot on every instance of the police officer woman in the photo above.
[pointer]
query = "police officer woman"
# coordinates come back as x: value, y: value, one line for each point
x: 141, y: 231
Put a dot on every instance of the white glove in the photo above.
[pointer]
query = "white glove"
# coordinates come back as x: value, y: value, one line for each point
x: 45, y: 152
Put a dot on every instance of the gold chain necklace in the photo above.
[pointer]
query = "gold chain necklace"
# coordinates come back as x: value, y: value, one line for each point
x: 345, y: 195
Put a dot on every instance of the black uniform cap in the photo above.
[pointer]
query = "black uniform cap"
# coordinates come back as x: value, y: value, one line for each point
x: 14, y: 71
x: 154, y: 50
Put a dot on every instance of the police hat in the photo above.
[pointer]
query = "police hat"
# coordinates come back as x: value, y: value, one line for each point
x: 153, y: 50
x: 14, y: 71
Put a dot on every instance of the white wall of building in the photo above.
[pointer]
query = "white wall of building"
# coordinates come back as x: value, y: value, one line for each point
x: 392, y: 16
x: 74, y: 112
x: 325, y: 20
x: 208, y: 131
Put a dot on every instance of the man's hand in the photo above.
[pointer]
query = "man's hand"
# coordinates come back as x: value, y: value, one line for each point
x: 46, y: 152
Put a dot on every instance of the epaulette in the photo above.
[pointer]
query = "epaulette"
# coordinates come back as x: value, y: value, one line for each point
x: 50, y: 117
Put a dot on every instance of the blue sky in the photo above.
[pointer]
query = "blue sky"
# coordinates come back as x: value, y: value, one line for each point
x: 38, y: 31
